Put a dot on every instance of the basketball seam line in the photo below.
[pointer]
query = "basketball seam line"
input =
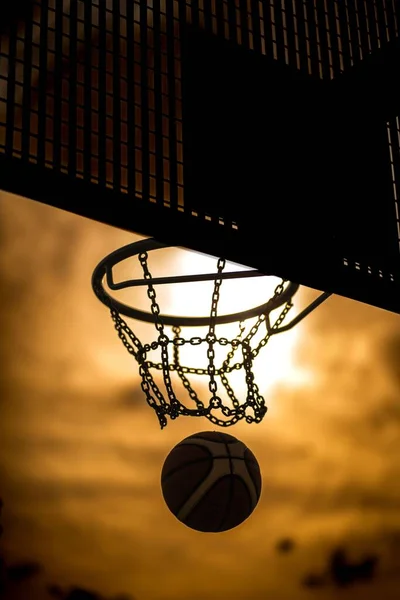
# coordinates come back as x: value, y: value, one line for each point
x: 203, y: 498
x: 197, y: 460
x: 198, y: 446
x: 256, y: 487
x: 251, y: 507
x: 193, y: 492
x: 226, y: 512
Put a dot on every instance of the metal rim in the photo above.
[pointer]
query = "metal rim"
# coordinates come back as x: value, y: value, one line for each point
x: 149, y: 245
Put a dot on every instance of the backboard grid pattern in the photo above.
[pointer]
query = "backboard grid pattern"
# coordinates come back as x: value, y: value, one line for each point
x: 68, y: 78
x: 93, y: 90
x: 74, y: 113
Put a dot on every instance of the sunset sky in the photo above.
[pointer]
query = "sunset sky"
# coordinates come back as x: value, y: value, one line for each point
x: 81, y: 452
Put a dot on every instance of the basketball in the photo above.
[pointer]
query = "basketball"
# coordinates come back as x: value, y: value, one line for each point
x: 211, y: 481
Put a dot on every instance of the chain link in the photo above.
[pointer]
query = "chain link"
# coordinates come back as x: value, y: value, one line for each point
x: 183, y: 378
x: 163, y: 339
x: 215, y: 401
x: 253, y: 409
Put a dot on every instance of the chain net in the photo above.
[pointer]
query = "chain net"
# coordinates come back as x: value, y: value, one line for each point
x: 167, y: 404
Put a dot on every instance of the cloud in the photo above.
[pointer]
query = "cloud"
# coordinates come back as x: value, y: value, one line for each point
x: 82, y: 452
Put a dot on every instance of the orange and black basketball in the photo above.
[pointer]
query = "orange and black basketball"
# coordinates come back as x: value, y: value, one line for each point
x: 211, y: 481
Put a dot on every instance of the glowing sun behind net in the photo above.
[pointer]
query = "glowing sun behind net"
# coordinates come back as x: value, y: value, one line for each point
x: 275, y: 362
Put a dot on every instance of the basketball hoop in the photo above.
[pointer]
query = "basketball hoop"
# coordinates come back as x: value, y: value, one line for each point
x: 253, y: 409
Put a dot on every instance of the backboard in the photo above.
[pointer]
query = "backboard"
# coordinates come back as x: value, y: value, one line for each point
x: 247, y: 129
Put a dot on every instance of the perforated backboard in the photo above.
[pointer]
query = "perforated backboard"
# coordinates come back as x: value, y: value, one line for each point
x: 244, y: 128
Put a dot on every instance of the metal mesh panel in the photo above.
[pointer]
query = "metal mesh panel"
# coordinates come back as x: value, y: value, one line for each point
x: 91, y: 92
x: 93, y: 89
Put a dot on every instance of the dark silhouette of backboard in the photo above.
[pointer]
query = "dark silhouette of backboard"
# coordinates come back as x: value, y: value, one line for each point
x: 266, y: 132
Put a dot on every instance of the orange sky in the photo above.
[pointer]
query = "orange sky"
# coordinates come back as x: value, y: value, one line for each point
x: 81, y: 453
